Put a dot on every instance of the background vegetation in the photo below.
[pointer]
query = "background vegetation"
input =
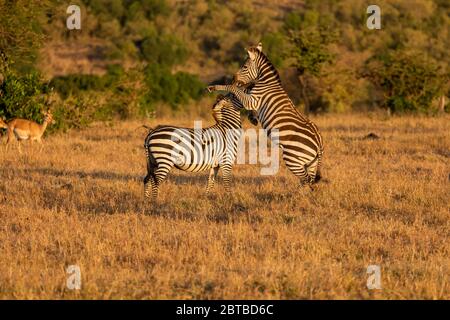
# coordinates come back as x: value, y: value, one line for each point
x: 134, y: 56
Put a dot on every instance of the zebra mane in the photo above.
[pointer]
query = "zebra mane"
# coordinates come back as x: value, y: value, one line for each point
x: 262, y: 59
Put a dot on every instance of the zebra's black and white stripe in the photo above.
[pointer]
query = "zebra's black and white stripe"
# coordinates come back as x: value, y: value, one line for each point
x: 193, y: 150
x: 298, y: 137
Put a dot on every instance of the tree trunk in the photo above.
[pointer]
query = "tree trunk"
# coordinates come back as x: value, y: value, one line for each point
x: 302, y: 81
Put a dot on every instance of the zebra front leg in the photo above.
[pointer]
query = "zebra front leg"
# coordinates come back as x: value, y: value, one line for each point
x: 302, y: 173
x: 313, y: 169
x: 248, y: 101
x: 212, y: 177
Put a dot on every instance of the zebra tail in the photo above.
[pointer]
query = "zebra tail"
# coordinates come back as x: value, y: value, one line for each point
x: 145, y: 127
x: 152, y: 164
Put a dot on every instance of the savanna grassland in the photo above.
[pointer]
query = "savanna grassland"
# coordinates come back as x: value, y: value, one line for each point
x: 79, y: 201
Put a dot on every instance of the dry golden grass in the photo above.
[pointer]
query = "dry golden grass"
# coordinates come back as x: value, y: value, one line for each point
x: 80, y: 201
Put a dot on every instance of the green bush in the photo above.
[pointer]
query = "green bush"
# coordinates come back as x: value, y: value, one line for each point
x: 90, y: 98
x: 75, y: 112
x: 275, y: 45
x: 165, y: 50
x: 128, y: 9
x: 23, y: 96
x: 73, y: 84
x: 21, y: 32
x: 409, y: 82
x: 173, y: 89
x: 310, y: 53
x: 190, y: 87
x: 28, y: 96
x: 147, y: 8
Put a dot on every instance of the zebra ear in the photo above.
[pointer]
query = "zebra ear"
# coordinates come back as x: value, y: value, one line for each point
x: 259, y: 47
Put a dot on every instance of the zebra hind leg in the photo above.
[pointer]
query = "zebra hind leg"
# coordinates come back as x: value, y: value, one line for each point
x: 159, y: 176
x: 211, y: 179
x: 226, y: 173
x: 149, y: 183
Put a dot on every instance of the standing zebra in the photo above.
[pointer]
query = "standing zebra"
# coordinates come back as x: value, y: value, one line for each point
x: 298, y: 137
x: 195, y: 150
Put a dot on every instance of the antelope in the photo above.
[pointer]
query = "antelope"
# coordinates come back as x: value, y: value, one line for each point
x: 3, y: 124
x: 28, y: 130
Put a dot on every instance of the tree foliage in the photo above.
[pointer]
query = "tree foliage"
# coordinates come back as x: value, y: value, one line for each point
x: 21, y: 32
x: 159, y: 52
x: 173, y: 89
x: 311, y: 51
x: 409, y: 81
x: 310, y: 38
x: 22, y: 96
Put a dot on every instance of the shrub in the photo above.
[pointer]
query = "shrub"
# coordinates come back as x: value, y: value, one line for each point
x: 73, y: 84
x: 90, y: 98
x: 275, y: 46
x: 173, y: 89
x: 310, y: 54
x: 23, y: 96
x: 74, y: 112
x: 21, y: 32
x: 164, y: 50
x: 409, y: 82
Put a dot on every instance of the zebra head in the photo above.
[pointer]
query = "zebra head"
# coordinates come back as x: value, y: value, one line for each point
x: 226, y: 110
x: 250, y: 71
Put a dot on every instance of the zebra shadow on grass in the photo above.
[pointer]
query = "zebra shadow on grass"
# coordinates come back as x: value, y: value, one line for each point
x: 174, y: 176
x: 104, y: 175
x: 68, y: 191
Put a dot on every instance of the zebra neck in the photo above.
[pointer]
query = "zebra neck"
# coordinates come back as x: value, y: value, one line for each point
x: 229, y: 123
x: 266, y: 86
x: 268, y: 73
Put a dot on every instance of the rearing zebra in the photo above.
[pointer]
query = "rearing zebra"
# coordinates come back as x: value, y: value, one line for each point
x: 195, y: 150
x: 299, y: 138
